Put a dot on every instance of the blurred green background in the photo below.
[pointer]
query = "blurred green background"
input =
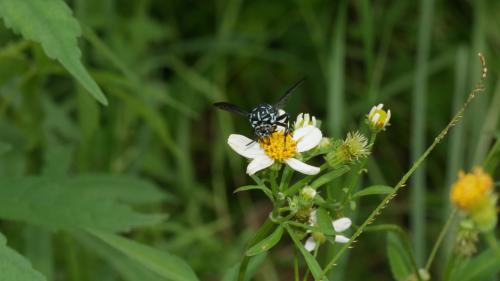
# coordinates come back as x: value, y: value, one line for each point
x: 162, y: 64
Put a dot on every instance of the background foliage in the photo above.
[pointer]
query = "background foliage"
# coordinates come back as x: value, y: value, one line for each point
x: 154, y: 162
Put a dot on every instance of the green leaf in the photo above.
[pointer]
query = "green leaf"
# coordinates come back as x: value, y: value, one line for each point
x: 373, y: 190
x: 253, y: 187
x: 311, y: 262
x: 51, y: 23
x: 328, y: 177
x: 52, y: 203
x: 127, y: 268
x: 160, y: 262
x: 324, y: 222
x: 267, y: 243
x: 14, y: 267
x: 481, y: 267
x: 253, y: 265
x: 399, y: 258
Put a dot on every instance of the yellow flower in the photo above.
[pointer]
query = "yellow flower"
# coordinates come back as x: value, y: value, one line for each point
x: 470, y: 190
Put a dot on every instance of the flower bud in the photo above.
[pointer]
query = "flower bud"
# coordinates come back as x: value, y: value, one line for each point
x: 378, y: 118
x: 308, y: 193
x: 304, y: 120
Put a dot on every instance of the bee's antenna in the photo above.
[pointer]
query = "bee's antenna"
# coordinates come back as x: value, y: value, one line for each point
x: 231, y: 108
x: 282, y: 101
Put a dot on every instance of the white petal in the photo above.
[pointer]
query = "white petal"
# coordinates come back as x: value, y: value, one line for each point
x: 240, y: 143
x: 312, y: 218
x: 307, y: 138
x: 310, y: 244
x: 380, y: 106
x: 302, y: 167
x: 387, y: 117
x: 372, y: 111
x: 341, y: 239
x: 341, y: 224
x: 375, y: 118
x: 259, y: 163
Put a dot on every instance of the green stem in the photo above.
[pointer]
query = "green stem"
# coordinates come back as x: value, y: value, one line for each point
x: 404, y: 179
x: 264, y: 230
x: 355, y: 175
x: 296, y: 266
x: 440, y: 239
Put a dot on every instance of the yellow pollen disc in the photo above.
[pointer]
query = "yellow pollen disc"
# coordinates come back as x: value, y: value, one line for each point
x: 279, y: 146
x: 470, y: 189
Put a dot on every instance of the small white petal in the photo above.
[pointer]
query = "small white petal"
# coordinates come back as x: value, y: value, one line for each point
x: 302, y: 167
x: 380, y: 106
x: 341, y: 239
x: 240, y: 143
x: 341, y: 224
x: 259, y: 163
x: 307, y: 138
x: 387, y: 117
x: 375, y: 118
x: 372, y: 111
x: 312, y: 218
x: 310, y: 244
x: 314, y: 121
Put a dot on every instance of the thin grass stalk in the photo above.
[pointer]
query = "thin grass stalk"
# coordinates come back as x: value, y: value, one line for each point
x: 419, y: 110
x: 336, y: 78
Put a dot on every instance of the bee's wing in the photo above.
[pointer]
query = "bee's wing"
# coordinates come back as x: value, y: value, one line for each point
x: 231, y: 108
x: 282, y: 101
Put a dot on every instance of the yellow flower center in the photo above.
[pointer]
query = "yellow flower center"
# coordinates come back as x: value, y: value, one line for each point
x: 279, y: 146
x: 471, y: 189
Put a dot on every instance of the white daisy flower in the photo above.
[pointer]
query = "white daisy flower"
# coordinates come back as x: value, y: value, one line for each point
x: 278, y: 147
x: 339, y: 225
x: 378, y: 118
x: 303, y: 120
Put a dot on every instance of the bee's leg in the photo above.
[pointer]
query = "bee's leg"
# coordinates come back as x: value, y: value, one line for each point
x: 250, y: 143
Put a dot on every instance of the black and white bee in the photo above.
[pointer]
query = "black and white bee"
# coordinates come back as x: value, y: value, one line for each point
x: 265, y: 118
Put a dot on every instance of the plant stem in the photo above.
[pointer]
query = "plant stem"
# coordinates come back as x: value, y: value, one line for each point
x: 458, y: 116
x: 355, y: 175
x: 440, y: 239
x: 296, y: 266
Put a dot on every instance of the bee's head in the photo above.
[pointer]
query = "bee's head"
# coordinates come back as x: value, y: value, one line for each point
x: 264, y: 130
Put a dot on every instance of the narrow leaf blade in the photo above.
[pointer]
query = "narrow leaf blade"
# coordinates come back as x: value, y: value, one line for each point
x: 267, y: 243
x: 162, y: 263
x: 374, y: 190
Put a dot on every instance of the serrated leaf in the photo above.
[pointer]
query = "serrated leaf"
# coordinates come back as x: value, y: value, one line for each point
x: 311, y: 262
x: 162, y: 263
x: 324, y: 222
x: 124, y: 188
x: 51, y: 23
x: 14, y: 267
x: 328, y: 177
x: 481, y: 267
x: 51, y: 203
x: 399, y: 259
x: 127, y: 268
x: 266, y: 243
x: 373, y: 190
